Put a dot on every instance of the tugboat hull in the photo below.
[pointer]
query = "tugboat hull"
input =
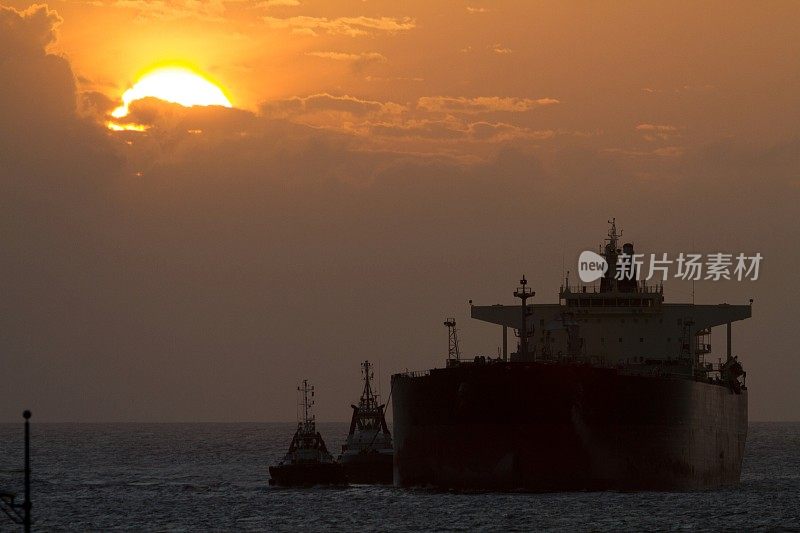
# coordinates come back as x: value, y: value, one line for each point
x: 307, y: 475
x: 561, y: 427
x: 368, y: 467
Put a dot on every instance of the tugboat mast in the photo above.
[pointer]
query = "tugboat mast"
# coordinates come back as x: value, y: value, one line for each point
x: 368, y: 398
x: 307, y: 423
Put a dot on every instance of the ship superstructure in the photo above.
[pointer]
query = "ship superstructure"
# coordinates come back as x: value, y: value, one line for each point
x: 367, y: 455
x: 308, y: 461
x: 608, y: 389
x: 621, y: 322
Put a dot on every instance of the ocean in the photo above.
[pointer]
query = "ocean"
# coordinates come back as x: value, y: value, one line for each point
x: 213, y: 477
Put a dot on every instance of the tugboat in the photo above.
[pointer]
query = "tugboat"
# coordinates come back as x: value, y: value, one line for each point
x: 308, y: 462
x: 368, y: 454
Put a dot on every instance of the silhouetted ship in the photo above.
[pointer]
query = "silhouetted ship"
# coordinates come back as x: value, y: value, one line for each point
x: 608, y: 390
x: 367, y: 455
x: 308, y: 461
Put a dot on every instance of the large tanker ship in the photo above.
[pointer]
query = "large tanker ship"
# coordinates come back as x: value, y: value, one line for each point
x: 608, y: 390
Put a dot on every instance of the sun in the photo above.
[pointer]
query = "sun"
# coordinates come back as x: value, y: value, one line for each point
x: 176, y: 84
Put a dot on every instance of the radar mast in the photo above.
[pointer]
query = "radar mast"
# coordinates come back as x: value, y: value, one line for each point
x: 453, y: 350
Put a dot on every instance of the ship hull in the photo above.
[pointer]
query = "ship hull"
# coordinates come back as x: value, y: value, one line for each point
x: 561, y: 427
x: 307, y: 475
x: 368, y: 467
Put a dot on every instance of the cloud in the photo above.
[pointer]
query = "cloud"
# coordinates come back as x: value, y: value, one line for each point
x: 665, y: 151
x: 209, y: 10
x: 297, y: 106
x: 688, y: 88
x: 446, y: 129
x: 350, y: 26
x: 451, y: 129
x: 652, y: 132
x: 358, y: 61
x: 38, y: 104
x: 27, y: 33
x: 278, y: 3
x: 438, y: 125
x: 482, y: 104
x: 395, y: 78
x: 502, y: 132
x: 660, y: 128
x: 501, y: 50
x: 472, y: 10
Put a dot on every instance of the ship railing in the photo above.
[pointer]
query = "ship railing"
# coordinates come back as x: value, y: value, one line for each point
x: 642, y: 287
x: 414, y: 373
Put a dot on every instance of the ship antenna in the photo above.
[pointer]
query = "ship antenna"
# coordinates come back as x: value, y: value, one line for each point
x: 524, y: 292
x: 613, y: 236
x: 453, y: 350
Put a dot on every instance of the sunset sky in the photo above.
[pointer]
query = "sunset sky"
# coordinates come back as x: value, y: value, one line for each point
x: 381, y: 164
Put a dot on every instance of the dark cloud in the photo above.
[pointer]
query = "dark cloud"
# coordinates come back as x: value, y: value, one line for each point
x: 44, y: 143
x: 26, y: 34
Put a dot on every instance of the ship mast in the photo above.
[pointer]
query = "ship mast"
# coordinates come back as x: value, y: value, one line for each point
x: 307, y: 391
x: 608, y: 282
x: 523, y: 293
x: 368, y: 398
x: 453, y: 350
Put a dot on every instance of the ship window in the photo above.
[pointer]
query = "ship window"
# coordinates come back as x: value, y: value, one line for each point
x: 541, y: 321
x: 680, y: 321
x: 641, y: 339
x: 669, y: 339
x: 620, y: 339
x: 623, y: 320
x: 602, y: 340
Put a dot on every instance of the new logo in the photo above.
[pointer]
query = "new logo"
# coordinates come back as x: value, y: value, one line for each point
x: 591, y: 266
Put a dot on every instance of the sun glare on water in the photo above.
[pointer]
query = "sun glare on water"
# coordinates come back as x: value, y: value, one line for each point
x: 178, y: 85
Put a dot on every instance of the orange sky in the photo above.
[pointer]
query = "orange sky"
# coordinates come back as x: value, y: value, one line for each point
x: 391, y: 160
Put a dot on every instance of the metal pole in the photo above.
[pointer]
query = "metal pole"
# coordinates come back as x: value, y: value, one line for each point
x: 729, y: 341
x: 26, y: 505
x: 505, y: 343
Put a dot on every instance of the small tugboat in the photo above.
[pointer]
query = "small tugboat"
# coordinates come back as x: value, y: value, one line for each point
x: 368, y: 454
x: 308, y: 462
